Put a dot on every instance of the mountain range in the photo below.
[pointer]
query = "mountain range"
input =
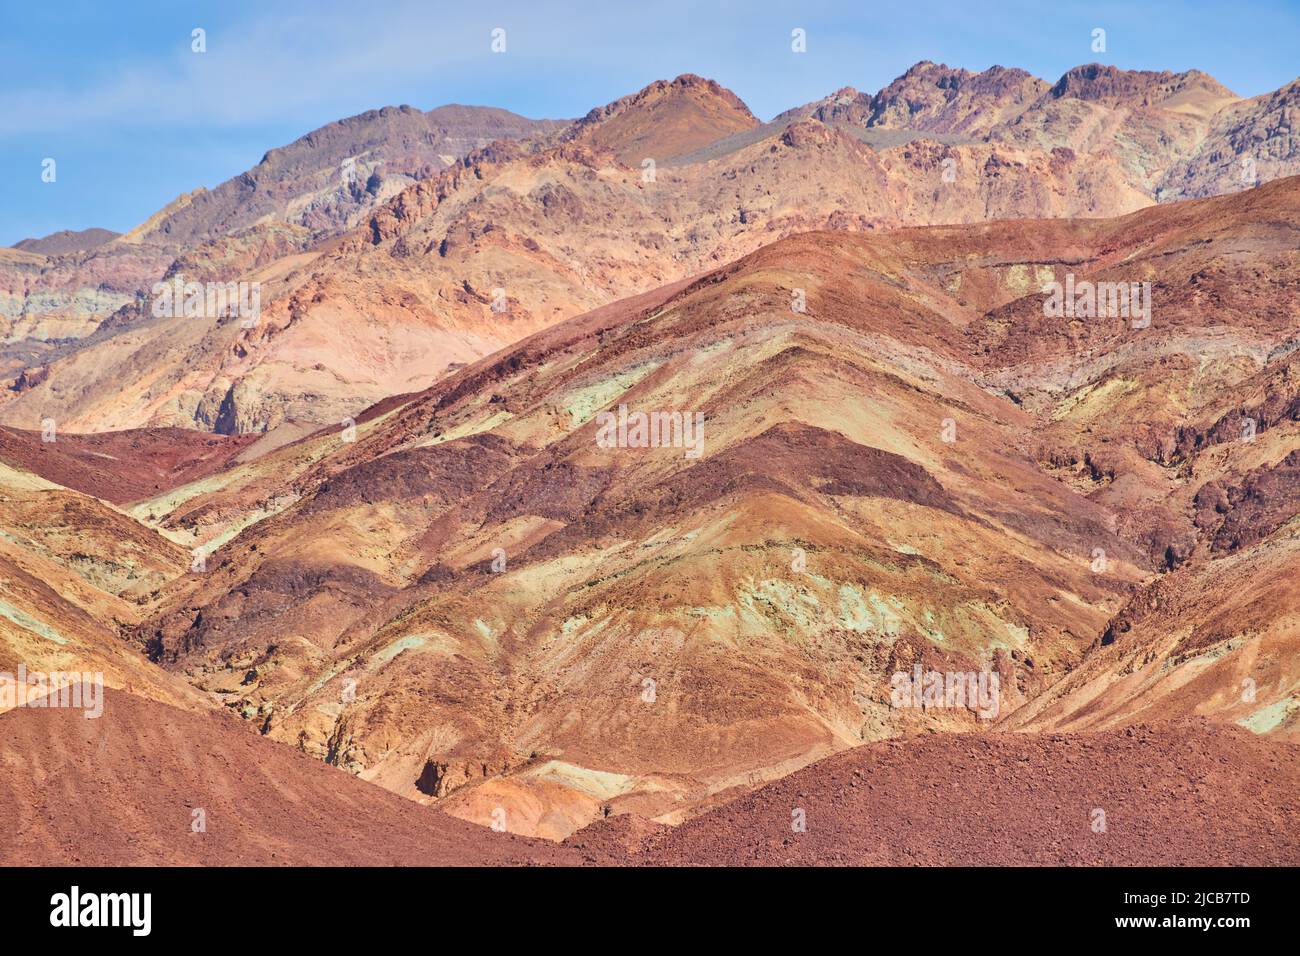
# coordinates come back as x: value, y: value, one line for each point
x: 462, y: 230
x: 407, y: 522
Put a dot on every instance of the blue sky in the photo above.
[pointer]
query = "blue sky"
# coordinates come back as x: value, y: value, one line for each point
x: 133, y: 118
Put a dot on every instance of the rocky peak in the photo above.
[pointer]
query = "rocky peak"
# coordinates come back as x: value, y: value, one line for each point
x: 665, y: 119
x: 1111, y: 86
x: 937, y: 98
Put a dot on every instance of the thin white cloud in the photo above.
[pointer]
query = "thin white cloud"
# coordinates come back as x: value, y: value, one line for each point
x: 265, y: 69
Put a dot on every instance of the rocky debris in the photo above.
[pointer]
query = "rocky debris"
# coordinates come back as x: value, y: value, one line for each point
x: 1249, y: 511
x: 1184, y: 794
x: 1189, y: 794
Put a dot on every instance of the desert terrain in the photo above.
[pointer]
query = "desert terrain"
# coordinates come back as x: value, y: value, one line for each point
x: 386, y: 577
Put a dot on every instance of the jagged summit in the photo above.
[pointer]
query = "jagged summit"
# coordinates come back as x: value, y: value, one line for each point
x: 937, y: 98
x: 1111, y: 85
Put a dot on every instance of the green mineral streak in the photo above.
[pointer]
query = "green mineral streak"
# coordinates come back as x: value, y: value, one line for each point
x: 409, y: 642
x: 1271, y: 717
x: 869, y: 612
x: 29, y: 623
x: 583, y: 403
x: 778, y: 598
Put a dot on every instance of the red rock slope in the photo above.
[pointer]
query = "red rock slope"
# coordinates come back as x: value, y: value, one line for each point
x: 1185, y: 794
x: 121, y: 790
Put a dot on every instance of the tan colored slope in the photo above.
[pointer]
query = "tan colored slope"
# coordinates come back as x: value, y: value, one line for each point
x: 1146, y: 120
x: 86, y: 536
x: 1187, y: 430
x: 315, y: 187
x: 46, y: 298
x: 461, y: 265
x: 1127, y: 411
x: 1219, y: 635
x: 1220, y: 638
x: 1251, y: 141
x: 150, y: 785
x: 826, y: 538
x: 53, y: 621
x: 664, y: 120
x: 74, y: 573
x: 364, y: 624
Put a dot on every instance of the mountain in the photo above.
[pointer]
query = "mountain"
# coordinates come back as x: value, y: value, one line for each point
x: 1148, y: 122
x: 326, y: 180
x: 144, y: 772
x: 1251, y: 141
x: 1099, y: 141
x: 496, y: 587
x: 1145, y: 120
x: 65, y: 286
x: 46, y: 299
x: 60, y: 243
x: 1184, y: 794
x: 1192, y: 92
x: 663, y: 121
x: 907, y: 460
x: 934, y: 98
x: 516, y: 238
x: 957, y: 398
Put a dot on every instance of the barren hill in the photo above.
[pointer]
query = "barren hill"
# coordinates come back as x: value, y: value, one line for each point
x: 826, y: 536
x: 1188, y: 794
x: 120, y: 467
x: 437, y: 272
x: 64, y: 286
x: 144, y: 772
x: 586, y: 492
x: 1250, y: 142
x: 934, y: 98
x: 326, y: 180
x: 517, y: 238
x: 664, y: 120
x: 59, y: 243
